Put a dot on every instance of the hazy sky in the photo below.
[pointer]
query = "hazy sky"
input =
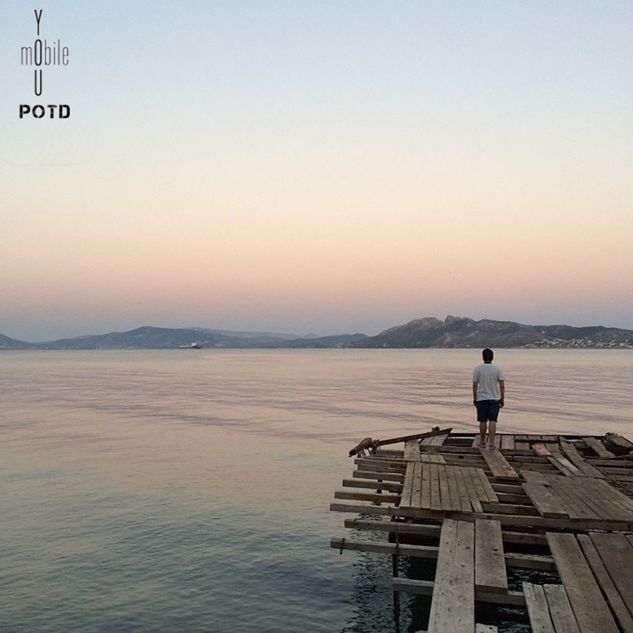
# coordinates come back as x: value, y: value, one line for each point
x: 317, y: 166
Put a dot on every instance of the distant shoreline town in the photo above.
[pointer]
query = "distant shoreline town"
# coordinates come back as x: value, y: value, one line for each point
x: 427, y: 332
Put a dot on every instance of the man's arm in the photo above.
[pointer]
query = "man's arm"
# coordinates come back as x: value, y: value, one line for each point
x: 502, y: 389
x: 475, y: 393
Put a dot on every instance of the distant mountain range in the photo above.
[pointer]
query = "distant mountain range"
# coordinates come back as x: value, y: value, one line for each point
x: 148, y: 337
x: 464, y: 332
x: 452, y: 332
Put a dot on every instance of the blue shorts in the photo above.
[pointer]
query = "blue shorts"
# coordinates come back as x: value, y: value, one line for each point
x: 487, y: 410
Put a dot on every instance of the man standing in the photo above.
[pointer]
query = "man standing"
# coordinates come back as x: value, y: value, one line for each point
x: 488, y: 394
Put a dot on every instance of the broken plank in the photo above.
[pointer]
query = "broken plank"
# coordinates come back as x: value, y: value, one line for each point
x: 538, y: 611
x: 560, y: 610
x: 563, y: 464
x: 598, y: 447
x: 619, y: 440
x: 578, y: 460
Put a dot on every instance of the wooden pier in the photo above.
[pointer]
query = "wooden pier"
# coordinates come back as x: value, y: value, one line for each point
x: 559, y: 504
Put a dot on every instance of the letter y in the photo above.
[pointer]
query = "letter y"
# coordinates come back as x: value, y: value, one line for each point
x: 38, y: 17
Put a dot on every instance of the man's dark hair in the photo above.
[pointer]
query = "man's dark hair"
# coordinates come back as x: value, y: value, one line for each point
x: 487, y: 355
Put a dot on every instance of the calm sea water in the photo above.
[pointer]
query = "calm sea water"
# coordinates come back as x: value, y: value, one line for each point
x: 162, y: 491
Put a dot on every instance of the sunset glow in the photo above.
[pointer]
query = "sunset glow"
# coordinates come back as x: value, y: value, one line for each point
x: 318, y: 167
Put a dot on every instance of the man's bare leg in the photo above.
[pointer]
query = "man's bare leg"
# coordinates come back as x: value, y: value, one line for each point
x: 482, y: 434
x: 492, y: 427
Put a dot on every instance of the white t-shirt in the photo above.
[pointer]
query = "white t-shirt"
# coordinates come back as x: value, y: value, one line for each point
x: 487, y: 376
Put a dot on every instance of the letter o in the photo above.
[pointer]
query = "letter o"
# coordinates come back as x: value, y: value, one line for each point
x: 37, y: 52
x: 38, y: 111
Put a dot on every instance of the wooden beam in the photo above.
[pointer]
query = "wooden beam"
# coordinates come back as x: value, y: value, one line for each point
x: 426, y: 587
x: 515, y: 559
x: 505, y: 519
x: 433, y: 531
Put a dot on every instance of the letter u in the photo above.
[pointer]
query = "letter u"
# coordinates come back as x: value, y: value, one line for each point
x: 38, y: 82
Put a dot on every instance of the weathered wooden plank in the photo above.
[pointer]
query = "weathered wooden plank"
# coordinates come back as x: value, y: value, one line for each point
x: 598, y: 447
x: 617, y: 556
x: 490, y: 564
x: 445, y: 496
x: 453, y: 603
x: 606, y: 583
x: 455, y: 496
x: 480, y: 491
x: 436, y: 500
x: 416, y: 489
x: 544, y: 501
x: 412, y: 451
x: 538, y: 611
x: 538, y: 476
x: 471, y: 489
x: 432, y: 458
x: 436, y: 440
x: 425, y: 494
x: 405, y: 438
x: 560, y: 610
x: 487, y: 486
x: 578, y: 460
x: 507, y: 442
x: 608, y: 502
x: 563, y: 464
x: 463, y: 491
x: 407, y: 486
x: 498, y: 464
x: 591, y: 611
x: 573, y: 500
